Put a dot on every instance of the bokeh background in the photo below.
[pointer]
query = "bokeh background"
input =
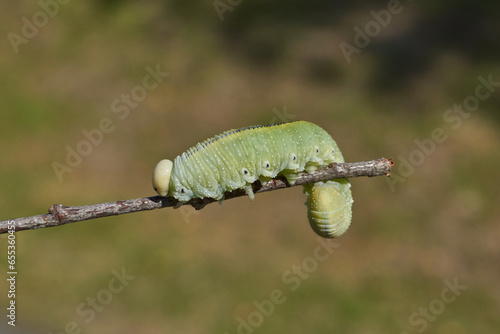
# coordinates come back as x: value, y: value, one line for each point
x: 255, y: 62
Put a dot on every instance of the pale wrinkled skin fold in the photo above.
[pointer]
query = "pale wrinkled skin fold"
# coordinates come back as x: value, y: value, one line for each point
x: 329, y: 207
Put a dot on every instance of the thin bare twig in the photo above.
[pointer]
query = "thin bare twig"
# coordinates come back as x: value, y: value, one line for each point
x: 60, y: 215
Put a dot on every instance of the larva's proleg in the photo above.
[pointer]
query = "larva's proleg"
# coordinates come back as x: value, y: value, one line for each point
x: 237, y: 158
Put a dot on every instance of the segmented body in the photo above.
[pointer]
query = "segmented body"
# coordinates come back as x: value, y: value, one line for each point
x: 329, y: 207
x: 237, y: 158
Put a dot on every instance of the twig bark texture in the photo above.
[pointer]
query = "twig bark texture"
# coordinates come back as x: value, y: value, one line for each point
x: 60, y: 215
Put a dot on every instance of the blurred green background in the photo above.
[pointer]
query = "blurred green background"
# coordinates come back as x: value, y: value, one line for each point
x: 435, y: 221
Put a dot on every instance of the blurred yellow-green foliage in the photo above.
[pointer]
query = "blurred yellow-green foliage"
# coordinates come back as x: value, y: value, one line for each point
x: 435, y: 221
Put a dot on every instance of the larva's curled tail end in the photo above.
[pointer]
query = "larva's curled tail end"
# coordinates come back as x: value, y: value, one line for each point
x: 329, y: 207
x: 161, y: 176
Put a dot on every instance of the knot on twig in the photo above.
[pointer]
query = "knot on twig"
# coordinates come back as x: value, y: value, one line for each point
x: 58, y: 211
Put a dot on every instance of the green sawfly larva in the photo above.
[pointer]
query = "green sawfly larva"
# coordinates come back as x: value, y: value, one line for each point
x: 237, y: 158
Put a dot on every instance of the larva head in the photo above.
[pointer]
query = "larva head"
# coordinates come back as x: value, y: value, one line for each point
x: 161, y: 176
